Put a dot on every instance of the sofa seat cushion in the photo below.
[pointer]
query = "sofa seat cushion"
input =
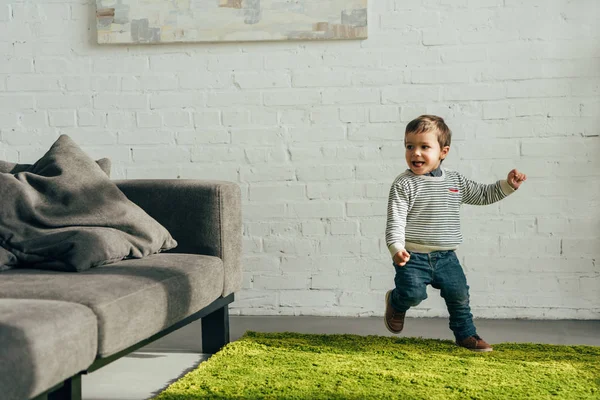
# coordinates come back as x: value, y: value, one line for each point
x: 43, y: 343
x: 132, y: 299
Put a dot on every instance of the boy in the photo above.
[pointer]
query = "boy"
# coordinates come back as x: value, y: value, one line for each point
x: 423, y: 229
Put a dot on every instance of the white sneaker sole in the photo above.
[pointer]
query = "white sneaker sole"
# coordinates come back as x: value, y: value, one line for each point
x: 477, y: 350
x: 481, y: 350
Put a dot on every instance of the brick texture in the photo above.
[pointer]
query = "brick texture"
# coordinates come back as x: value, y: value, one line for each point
x: 312, y: 132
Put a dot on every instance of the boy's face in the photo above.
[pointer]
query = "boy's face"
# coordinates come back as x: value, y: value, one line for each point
x: 423, y: 152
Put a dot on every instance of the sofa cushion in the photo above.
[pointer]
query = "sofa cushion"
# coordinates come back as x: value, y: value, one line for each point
x: 65, y: 214
x: 133, y: 299
x: 42, y: 344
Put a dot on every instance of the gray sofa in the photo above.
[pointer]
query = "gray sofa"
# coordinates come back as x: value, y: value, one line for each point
x: 56, y: 326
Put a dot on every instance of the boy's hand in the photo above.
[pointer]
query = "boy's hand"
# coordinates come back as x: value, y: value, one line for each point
x: 401, y: 257
x: 515, y: 178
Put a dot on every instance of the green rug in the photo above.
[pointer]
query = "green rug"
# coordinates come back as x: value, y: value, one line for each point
x: 299, y: 366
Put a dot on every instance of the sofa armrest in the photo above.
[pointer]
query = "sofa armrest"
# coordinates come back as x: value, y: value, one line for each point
x: 203, y: 216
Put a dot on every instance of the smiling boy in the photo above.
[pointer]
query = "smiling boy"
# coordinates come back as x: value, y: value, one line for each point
x: 423, y: 229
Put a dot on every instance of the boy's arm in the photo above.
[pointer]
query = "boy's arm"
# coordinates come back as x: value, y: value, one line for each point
x: 396, y: 219
x: 483, y: 194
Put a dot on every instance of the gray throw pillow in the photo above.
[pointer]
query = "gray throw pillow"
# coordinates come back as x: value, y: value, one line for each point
x: 64, y: 213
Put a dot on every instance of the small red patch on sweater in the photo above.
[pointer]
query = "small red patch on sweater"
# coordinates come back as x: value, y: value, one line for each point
x: 453, y: 190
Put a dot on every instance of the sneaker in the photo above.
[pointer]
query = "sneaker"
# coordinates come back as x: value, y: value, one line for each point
x: 474, y: 343
x: 394, y: 320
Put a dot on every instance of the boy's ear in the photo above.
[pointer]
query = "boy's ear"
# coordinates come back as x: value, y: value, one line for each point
x: 444, y: 152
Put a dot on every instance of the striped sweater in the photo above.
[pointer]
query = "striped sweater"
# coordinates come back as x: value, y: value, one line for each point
x: 424, y: 211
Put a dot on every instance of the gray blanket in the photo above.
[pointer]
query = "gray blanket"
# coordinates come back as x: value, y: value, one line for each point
x: 64, y: 213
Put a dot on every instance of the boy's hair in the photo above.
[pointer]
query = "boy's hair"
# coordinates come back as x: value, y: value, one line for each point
x: 428, y: 123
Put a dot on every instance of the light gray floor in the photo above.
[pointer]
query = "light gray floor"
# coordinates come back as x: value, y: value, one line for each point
x: 142, y: 374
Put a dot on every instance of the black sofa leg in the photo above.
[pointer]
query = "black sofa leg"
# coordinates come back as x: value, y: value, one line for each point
x: 70, y: 390
x: 215, y: 330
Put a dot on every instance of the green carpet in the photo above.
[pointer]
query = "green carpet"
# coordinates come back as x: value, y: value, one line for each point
x: 299, y: 366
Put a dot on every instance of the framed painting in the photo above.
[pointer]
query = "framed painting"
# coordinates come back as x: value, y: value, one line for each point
x: 167, y: 21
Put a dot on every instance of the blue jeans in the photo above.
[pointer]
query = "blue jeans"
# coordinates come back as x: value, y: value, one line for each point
x: 442, y: 270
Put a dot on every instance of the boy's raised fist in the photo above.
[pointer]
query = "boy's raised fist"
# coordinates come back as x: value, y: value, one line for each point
x: 515, y: 178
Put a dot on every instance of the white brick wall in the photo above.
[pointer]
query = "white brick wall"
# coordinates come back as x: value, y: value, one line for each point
x: 312, y: 132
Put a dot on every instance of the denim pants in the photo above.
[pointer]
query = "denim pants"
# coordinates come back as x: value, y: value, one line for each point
x: 442, y: 270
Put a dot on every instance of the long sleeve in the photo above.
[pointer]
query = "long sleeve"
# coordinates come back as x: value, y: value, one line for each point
x: 483, y: 194
x: 424, y: 211
x: 398, y: 204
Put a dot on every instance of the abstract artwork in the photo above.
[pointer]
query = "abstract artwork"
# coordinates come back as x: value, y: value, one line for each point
x: 167, y: 21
